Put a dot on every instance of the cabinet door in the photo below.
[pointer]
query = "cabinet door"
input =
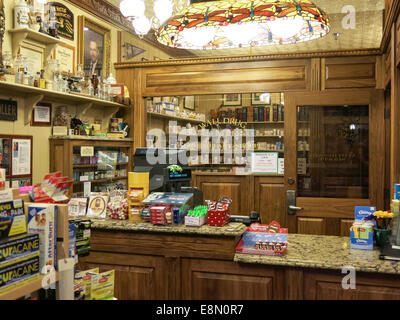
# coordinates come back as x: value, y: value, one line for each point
x: 234, y: 187
x: 328, y: 286
x: 350, y: 72
x: 270, y: 200
x: 217, y: 280
x: 137, y: 277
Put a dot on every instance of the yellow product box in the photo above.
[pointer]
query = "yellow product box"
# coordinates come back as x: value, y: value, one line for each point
x: 12, y: 219
x: 83, y: 281
x: 103, y: 286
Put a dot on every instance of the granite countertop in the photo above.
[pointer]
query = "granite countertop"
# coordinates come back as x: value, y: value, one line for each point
x: 324, y: 252
x: 229, y: 230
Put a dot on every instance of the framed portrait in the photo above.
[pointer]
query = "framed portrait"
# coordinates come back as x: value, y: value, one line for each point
x: 260, y: 98
x: 232, y: 99
x: 41, y: 115
x: 94, y: 43
x: 65, y: 54
x: 189, y: 103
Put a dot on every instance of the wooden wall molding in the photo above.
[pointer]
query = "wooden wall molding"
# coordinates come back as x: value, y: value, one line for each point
x: 392, y: 15
x: 250, y: 58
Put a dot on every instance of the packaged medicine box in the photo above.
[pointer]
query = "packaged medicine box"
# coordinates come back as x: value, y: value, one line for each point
x: 19, y: 270
x: 18, y: 246
x: 12, y: 219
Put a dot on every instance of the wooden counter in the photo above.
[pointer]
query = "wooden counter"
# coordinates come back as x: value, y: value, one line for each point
x: 156, y: 262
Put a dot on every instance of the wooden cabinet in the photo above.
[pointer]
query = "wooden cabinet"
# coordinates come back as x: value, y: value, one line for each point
x: 137, y: 277
x: 350, y: 72
x: 215, y: 280
x: 387, y: 66
x: 65, y: 157
x: 328, y: 286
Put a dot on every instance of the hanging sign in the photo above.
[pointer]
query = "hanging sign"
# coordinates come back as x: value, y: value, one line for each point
x: 8, y: 110
x: 65, y: 17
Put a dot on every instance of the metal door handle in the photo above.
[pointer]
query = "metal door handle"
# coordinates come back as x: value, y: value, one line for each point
x: 293, y: 208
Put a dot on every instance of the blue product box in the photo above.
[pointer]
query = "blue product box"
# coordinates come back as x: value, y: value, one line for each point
x: 21, y: 269
x: 178, y: 214
x: 362, y: 244
x: 250, y: 239
x: 362, y: 237
x: 363, y: 212
x: 397, y: 192
x: 18, y: 246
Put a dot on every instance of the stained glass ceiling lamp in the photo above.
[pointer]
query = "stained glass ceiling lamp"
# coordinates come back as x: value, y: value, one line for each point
x: 243, y: 23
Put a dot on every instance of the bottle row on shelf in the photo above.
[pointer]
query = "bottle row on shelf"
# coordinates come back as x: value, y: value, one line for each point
x: 80, y: 176
x: 101, y: 157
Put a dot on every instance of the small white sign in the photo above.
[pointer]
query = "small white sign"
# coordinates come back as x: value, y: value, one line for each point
x: 87, y: 189
x: 264, y: 162
x: 6, y: 195
x: 281, y: 166
x: 87, y: 151
x: 84, y: 178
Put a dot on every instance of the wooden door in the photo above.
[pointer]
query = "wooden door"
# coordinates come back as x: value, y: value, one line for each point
x: 137, y: 277
x: 334, y: 157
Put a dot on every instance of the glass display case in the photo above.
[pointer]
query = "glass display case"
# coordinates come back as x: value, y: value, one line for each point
x: 219, y: 132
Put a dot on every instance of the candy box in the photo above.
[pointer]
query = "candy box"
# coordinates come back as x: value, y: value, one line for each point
x: 12, y: 219
x: 42, y: 220
x: 158, y: 214
x: 264, y: 239
x: 193, y: 221
x: 18, y: 246
x: 218, y: 218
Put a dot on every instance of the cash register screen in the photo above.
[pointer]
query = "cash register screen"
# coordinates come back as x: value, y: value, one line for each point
x: 185, y: 174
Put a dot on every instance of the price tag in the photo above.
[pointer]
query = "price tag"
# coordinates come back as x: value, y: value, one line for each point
x: 87, y: 151
x: 86, y: 189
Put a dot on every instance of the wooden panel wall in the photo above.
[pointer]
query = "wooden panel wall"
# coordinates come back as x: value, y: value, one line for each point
x: 227, y: 78
x: 350, y: 72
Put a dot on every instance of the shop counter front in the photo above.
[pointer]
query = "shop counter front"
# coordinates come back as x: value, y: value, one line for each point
x: 178, y: 262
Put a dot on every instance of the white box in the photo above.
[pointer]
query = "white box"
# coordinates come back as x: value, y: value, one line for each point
x: 195, y: 221
x: 42, y: 220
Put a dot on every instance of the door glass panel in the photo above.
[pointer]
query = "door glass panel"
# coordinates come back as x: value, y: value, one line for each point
x: 333, y: 151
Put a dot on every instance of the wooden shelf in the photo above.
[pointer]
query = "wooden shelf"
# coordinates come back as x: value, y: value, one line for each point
x: 25, y: 287
x: 19, y: 35
x: 263, y: 122
x: 102, y: 180
x: 99, y: 164
x: 33, y: 95
x: 159, y: 115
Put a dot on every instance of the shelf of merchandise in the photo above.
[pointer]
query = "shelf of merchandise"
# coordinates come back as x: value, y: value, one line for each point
x: 33, y: 95
x: 102, y: 180
x: 26, y: 287
x: 20, y: 35
x: 159, y: 115
x: 76, y: 166
x: 263, y: 122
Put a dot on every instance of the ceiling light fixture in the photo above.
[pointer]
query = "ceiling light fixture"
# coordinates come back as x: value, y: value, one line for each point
x: 134, y: 10
x: 226, y: 24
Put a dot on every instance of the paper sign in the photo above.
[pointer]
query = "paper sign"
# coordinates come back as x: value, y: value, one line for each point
x: 6, y: 195
x: 86, y: 189
x: 87, y: 151
x: 281, y: 166
x: 264, y: 162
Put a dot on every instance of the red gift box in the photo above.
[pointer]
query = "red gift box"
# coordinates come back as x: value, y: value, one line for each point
x: 218, y: 218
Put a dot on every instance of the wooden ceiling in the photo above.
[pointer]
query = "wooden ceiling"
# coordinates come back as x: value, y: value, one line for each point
x: 366, y: 35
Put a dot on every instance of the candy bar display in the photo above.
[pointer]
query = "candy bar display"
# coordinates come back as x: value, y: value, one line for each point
x: 196, y: 217
x: 218, y: 212
x: 117, y: 207
x: 53, y: 189
x: 264, y: 239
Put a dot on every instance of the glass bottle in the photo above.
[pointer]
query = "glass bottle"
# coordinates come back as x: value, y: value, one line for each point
x: 42, y: 81
x: 90, y: 89
x: 25, y: 78
x: 36, y: 81
x: 111, y: 79
x: 19, y: 76
x: 95, y: 83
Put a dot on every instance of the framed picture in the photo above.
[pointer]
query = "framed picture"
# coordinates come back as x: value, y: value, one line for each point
x: 5, y: 154
x: 94, y: 43
x: 189, y: 102
x: 232, y: 99
x: 65, y: 54
x: 34, y: 57
x: 260, y: 98
x: 41, y: 115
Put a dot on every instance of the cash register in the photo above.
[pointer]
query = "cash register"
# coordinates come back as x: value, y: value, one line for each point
x: 161, y: 178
